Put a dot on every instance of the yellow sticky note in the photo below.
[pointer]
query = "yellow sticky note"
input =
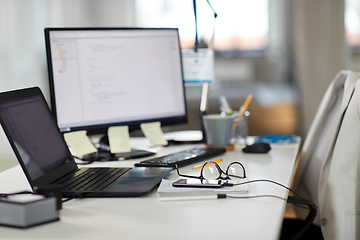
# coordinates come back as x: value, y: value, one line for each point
x: 79, y: 142
x: 153, y: 133
x: 119, y: 139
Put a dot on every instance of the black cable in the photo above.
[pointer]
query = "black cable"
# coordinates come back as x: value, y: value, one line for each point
x: 303, y: 201
x: 95, y: 159
x: 270, y: 181
x: 300, y: 206
x: 257, y: 196
x: 310, y: 217
x: 6, y: 195
x: 67, y: 199
x: 312, y: 206
x: 85, y: 162
x: 292, y: 200
x: 298, y: 200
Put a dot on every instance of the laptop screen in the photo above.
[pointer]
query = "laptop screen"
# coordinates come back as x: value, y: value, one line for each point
x: 34, y: 135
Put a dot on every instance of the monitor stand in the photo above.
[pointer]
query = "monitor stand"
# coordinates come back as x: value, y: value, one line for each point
x: 185, y: 137
x: 192, y: 136
x: 103, y: 152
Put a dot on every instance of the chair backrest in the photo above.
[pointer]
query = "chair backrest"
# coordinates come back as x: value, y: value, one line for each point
x: 318, y: 141
x: 339, y: 184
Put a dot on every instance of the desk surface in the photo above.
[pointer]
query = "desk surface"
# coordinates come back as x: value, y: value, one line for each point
x: 148, y: 218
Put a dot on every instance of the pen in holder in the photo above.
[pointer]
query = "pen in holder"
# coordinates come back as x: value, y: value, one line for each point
x: 240, y: 130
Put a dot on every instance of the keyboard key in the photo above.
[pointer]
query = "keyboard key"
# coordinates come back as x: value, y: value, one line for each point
x: 94, y: 179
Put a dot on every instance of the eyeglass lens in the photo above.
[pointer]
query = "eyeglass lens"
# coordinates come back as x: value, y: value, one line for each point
x: 211, y: 170
x: 235, y: 169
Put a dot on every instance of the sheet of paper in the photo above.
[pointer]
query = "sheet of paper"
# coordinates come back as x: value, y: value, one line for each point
x: 79, y: 143
x: 153, y: 133
x: 167, y: 187
x: 119, y: 139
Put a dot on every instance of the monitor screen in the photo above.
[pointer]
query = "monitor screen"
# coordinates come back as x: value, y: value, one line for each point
x: 102, y: 77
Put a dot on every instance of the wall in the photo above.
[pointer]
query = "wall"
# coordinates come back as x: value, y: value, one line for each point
x: 22, y: 45
x: 23, y: 60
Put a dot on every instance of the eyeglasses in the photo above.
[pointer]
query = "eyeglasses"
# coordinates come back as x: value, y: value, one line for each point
x: 212, y: 170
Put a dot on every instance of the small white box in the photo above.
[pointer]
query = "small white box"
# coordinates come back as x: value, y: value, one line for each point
x: 23, y: 211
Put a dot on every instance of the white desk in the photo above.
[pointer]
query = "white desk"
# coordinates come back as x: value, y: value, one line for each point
x: 148, y: 218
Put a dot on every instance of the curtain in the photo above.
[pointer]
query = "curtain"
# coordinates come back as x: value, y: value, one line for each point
x: 319, y: 51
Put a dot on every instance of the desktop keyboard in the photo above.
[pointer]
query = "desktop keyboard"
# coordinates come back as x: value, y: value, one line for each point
x: 182, y: 158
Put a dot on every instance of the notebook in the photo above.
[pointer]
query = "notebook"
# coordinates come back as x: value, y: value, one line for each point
x: 167, y: 192
x: 45, y: 158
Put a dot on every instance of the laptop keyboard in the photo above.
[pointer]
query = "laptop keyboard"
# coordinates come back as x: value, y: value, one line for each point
x: 182, y: 158
x: 94, y: 179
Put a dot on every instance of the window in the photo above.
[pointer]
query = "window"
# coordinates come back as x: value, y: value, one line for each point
x: 240, y: 24
x: 352, y: 24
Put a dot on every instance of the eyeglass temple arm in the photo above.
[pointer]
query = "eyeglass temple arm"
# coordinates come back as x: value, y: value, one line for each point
x: 182, y: 175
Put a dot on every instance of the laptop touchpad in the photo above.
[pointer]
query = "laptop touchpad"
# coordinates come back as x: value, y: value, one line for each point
x: 133, y: 184
x: 144, y: 172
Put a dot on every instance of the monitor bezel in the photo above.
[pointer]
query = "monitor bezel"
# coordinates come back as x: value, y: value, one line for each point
x: 102, y: 128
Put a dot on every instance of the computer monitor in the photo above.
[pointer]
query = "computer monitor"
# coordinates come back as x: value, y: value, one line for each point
x: 103, y: 77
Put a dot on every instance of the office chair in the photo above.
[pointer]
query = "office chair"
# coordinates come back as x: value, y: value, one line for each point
x: 339, y: 183
x: 318, y: 144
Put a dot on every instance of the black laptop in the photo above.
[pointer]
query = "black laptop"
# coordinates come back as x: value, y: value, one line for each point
x: 45, y: 158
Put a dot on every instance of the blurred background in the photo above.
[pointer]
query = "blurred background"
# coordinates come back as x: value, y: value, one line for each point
x: 284, y: 52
